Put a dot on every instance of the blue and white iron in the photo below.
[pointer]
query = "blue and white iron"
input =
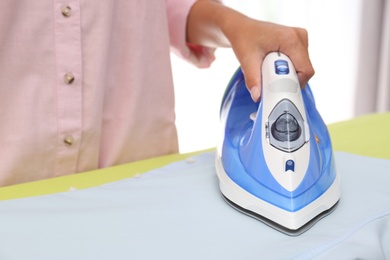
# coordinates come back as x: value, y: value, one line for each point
x: 276, y: 160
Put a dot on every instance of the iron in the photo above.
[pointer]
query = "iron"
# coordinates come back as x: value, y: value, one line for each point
x: 275, y: 161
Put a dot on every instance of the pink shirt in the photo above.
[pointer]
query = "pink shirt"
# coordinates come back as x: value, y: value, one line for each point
x: 86, y: 84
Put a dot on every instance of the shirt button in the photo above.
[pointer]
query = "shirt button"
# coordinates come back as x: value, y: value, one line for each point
x: 66, y: 11
x: 68, y: 140
x: 69, y: 78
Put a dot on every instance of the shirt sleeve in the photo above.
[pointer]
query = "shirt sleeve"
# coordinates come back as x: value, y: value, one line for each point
x: 177, y: 12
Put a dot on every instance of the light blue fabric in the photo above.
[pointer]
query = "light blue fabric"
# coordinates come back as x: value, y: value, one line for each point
x: 177, y: 212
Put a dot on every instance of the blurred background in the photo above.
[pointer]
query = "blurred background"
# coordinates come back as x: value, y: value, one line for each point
x: 349, y: 45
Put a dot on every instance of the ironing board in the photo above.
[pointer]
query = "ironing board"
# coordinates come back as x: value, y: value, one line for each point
x: 170, y: 208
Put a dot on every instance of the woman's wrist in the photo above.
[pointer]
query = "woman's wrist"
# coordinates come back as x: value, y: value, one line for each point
x: 208, y: 22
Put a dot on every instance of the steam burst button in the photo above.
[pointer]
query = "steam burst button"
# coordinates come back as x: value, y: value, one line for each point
x: 281, y: 67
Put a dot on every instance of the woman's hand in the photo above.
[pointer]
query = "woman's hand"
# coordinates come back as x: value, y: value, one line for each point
x: 215, y: 25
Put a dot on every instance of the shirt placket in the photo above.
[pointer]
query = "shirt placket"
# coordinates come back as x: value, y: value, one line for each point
x: 67, y: 32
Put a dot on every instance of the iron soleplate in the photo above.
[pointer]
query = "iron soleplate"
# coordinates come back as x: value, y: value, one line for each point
x: 278, y: 227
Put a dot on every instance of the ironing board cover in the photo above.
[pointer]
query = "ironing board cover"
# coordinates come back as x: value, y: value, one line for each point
x: 177, y: 212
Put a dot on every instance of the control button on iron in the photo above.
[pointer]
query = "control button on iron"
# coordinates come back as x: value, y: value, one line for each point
x: 281, y: 67
x: 290, y: 165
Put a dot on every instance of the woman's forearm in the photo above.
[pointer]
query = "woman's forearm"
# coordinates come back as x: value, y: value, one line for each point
x: 206, y: 23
